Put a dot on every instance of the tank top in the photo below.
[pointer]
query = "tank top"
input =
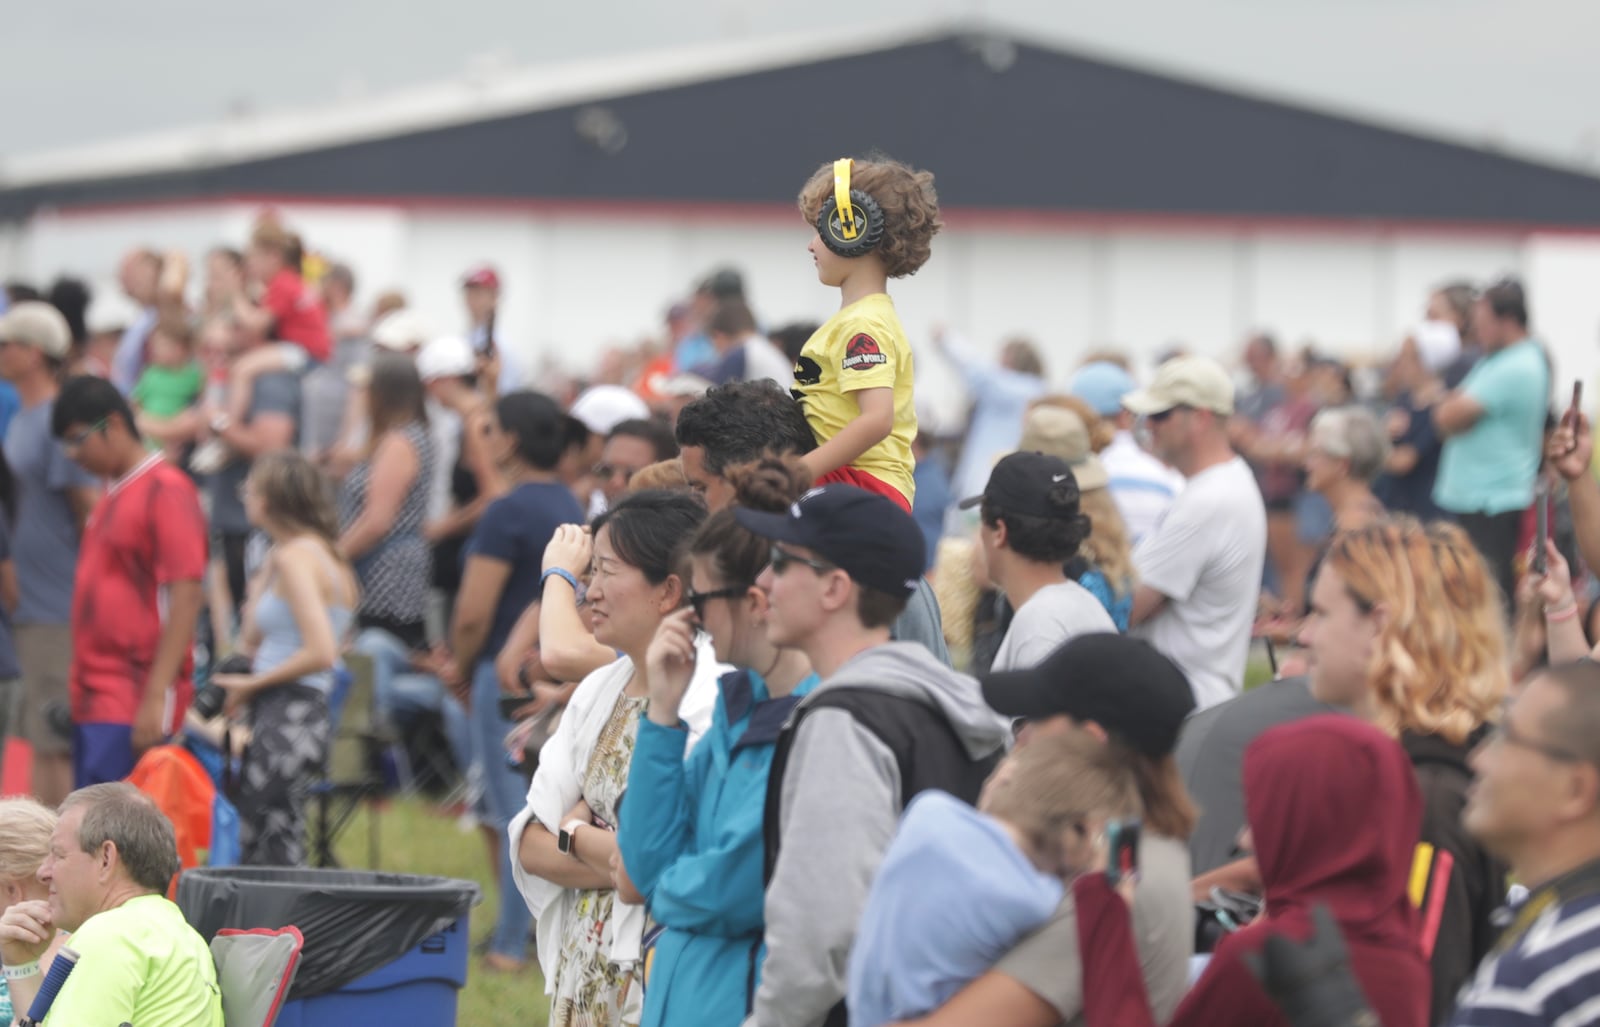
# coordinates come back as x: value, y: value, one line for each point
x: 395, y: 573
x: 280, y: 635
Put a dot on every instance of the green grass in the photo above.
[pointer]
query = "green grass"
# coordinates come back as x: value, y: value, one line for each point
x: 413, y: 839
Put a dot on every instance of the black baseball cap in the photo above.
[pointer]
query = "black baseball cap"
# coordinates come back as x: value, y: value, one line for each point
x: 1021, y: 482
x: 1121, y: 683
x: 868, y: 536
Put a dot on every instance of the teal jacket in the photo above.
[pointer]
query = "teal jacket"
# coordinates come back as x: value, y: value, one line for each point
x: 690, y: 836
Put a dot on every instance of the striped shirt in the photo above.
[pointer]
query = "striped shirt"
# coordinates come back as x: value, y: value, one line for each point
x: 1546, y: 970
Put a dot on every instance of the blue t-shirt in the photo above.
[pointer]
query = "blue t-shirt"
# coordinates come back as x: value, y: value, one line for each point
x: 46, y: 537
x: 515, y: 529
x: 911, y: 954
x: 274, y: 393
x: 1490, y: 468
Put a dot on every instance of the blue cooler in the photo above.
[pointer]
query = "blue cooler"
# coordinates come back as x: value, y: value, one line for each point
x: 418, y: 989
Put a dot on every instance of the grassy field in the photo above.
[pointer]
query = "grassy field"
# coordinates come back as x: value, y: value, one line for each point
x: 413, y: 839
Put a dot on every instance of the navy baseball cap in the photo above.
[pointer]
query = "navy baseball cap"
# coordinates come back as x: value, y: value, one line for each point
x: 1121, y: 683
x: 868, y: 536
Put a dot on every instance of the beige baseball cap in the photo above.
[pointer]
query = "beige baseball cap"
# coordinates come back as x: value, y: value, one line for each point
x: 1191, y: 381
x: 38, y: 325
x: 1061, y: 433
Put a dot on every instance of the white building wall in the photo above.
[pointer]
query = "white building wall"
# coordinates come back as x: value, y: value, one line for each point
x: 578, y: 281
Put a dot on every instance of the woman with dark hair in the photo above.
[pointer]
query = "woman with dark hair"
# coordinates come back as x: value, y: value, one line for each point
x: 590, y: 935
x: 691, y: 845
x: 501, y: 577
x: 299, y: 611
x: 384, y: 502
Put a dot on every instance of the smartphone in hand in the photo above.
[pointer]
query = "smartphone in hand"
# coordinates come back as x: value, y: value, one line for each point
x: 1122, y: 844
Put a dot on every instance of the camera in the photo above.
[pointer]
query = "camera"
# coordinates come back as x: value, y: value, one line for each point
x: 209, y: 698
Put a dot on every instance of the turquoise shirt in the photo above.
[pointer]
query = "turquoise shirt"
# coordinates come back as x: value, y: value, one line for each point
x: 1490, y: 468
x: 690, y: 836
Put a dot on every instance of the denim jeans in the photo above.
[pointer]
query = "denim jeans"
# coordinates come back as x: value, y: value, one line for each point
x: 505, y: 793
x: 404, y: 693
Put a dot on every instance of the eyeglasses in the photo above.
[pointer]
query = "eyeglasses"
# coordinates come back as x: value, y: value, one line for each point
x: 77, y: 439
x: 779, y: 560
x: 1160, y: 416
x: 698, y: 600
x: 1502, y: 733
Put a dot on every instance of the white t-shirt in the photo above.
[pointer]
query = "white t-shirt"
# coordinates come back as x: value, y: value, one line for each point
x: 1206, y: 557
x: 764, y: 360
x: 1046, y: 621
x: 1142, y: 486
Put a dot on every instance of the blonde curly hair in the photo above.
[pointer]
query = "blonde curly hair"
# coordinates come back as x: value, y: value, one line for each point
x: 1108, y: 548
x: 1439, y: 662
x: 908, y: 201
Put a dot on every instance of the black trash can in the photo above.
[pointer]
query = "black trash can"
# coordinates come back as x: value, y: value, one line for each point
x: 373, y: 940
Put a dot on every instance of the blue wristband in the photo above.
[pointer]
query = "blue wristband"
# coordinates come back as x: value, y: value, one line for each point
x: 558, y: 572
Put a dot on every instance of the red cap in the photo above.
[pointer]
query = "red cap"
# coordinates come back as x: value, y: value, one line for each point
x: 483, y: 277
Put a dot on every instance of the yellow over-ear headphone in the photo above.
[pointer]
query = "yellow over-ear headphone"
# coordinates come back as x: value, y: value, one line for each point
x: 850, y: 222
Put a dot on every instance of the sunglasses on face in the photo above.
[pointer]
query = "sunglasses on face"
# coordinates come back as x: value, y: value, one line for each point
x: 1163, y: 415
x: 698, y: 600
x: 779, y: 560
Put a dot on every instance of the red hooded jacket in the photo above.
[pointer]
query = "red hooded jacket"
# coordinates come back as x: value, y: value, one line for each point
x: 1335, y: 812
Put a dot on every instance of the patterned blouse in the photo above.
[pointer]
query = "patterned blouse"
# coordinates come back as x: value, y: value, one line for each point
x: 395, y: 573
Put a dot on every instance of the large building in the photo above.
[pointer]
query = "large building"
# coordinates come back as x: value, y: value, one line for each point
x: 1088, y: 203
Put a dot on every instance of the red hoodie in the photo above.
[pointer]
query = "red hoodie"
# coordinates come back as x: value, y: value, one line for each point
x: 1335, y: 811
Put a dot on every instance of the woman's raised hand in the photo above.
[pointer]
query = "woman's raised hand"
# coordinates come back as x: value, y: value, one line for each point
x: 669, y: 665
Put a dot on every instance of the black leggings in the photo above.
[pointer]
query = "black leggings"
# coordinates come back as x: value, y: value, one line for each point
x: 1495, y: 538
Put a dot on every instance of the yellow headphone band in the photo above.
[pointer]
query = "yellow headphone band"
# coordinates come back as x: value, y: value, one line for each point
x: 841, y: 197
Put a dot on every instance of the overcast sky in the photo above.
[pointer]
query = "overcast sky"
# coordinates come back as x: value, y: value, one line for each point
x: 1522, y: 74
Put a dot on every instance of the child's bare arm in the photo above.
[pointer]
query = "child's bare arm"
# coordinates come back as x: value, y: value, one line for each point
x: 869, y: 428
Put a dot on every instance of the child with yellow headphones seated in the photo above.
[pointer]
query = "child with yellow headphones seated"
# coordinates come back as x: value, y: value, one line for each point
x: 875, y: 220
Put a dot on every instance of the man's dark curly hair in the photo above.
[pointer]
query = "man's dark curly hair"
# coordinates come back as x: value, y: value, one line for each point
x: 742, y: 422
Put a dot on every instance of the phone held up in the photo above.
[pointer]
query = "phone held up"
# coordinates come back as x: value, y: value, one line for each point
x: 1122, y: 843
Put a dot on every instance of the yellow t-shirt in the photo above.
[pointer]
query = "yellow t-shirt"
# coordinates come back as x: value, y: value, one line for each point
x: 861, y: 347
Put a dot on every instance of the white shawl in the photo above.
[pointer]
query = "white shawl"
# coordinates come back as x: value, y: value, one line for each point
x: 557, y: 787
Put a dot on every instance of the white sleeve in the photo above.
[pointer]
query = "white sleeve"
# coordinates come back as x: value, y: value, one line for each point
x: 1172, y: 557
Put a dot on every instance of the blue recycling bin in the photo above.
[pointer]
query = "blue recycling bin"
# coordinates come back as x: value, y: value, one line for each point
x: 380, y: 948
x: 420, y: 988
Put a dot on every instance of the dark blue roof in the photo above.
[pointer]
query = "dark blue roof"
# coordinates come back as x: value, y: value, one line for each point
x: 1008, y: 125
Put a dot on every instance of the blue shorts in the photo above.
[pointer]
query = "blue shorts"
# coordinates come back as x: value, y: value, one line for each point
x: 101, y: 753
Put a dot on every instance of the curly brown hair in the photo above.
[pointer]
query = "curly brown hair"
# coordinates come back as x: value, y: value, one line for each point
x: 906, y: 197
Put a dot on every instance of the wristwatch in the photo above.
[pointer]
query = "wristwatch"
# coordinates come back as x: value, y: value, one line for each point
x: 567, y: 839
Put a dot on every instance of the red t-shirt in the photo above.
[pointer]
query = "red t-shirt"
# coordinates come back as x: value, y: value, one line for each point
x: 298, y: 314
x: 146, y: 532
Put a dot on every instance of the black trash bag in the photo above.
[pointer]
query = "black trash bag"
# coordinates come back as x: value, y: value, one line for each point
x: 354, y: 921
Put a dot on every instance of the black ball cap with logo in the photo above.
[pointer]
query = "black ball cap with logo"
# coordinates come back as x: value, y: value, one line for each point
x: 868, y: 536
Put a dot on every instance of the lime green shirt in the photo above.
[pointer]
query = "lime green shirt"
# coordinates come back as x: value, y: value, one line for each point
x: 140, y: 963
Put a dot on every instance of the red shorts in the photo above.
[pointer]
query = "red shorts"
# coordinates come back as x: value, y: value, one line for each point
x: 863, y: 480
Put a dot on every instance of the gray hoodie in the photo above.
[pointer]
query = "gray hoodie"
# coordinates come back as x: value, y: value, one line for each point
x: 839, y: 806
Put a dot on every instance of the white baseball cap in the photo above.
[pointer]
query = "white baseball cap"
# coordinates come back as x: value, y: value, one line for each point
x: 447, y: 357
